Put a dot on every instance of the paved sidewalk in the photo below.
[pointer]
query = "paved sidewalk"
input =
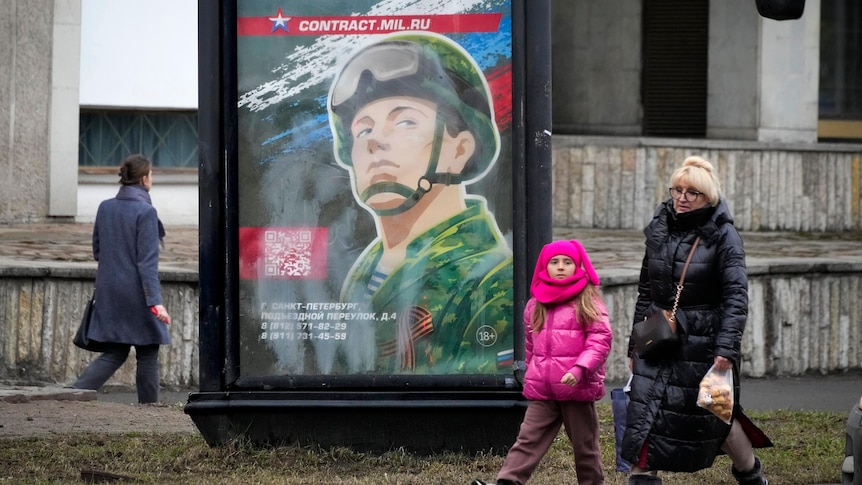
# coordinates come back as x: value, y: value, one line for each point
x: 836, y: 393
x: 112, y: 394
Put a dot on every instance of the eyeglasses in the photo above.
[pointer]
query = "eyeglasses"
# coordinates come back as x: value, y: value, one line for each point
x: 689, y: 195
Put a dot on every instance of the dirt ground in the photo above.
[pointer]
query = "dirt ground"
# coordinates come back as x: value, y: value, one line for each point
x: 47, y: 417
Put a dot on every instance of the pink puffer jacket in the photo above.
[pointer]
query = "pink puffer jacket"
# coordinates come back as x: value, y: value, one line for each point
x: 561, y: 345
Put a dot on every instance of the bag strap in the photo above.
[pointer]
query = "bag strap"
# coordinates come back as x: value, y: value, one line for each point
x: 687, y: 261
x: 682, y: 278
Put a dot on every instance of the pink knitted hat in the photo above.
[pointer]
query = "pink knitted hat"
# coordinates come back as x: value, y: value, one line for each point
x: 551, y: 290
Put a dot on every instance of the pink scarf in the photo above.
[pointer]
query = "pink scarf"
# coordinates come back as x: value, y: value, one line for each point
x: 547, y: 289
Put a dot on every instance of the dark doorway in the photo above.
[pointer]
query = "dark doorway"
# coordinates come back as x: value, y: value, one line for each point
x: 675, y: 48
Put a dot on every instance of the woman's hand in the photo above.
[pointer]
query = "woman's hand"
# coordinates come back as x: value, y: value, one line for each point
x: 722, y: 363
x: 161, y: 313
x: 569, y: 379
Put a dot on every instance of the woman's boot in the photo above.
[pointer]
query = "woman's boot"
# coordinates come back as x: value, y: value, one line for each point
x: 751, y: 477
x: 641, y: 479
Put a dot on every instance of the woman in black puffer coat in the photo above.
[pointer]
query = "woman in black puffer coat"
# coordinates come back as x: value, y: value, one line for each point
x: 666, y: 429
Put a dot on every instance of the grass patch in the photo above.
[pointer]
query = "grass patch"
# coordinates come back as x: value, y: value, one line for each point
x: 809, y: 448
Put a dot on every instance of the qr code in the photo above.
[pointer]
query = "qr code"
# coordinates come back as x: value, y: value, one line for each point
x: 287, y: 253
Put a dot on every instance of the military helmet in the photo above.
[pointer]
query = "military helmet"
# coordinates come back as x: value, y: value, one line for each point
x: 422, y: 65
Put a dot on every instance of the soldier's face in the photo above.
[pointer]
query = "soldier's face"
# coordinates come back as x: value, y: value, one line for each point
x: 392, y: 142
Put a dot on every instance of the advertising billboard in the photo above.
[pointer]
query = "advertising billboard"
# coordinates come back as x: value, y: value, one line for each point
x: 374, y: 189
x: 366, y: 234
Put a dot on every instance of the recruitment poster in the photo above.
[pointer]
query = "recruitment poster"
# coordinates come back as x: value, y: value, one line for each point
x: 375, y: 187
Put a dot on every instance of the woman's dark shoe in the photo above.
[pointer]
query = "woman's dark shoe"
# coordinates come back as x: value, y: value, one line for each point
x: 751, y: 477
x: 498, y: 482
x: 644, y: 480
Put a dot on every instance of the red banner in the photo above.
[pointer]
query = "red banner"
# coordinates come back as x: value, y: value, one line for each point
x: 287, y: 25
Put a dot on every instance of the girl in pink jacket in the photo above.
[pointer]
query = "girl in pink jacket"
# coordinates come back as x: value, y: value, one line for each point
x: 568, y: 339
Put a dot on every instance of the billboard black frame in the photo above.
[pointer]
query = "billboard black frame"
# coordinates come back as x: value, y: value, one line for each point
x: 279, y: 408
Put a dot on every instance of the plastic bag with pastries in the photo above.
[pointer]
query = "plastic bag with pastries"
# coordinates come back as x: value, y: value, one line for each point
x: 716, y: 393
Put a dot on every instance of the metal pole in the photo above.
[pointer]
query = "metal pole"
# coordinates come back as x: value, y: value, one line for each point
x: 538, y: 126
x: 211, y: 197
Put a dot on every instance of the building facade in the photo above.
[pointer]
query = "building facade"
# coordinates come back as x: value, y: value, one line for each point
x: 701, y: 69
x: 89, y: 81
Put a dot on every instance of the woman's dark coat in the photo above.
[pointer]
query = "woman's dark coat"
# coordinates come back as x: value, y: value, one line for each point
x: 126, y: 245
x: 711, y: 318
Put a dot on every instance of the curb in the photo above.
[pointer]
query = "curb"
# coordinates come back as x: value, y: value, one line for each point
x: 23, y: 394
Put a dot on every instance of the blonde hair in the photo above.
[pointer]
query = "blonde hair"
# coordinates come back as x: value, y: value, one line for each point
x: 699, y: 174
x: 586, y: 308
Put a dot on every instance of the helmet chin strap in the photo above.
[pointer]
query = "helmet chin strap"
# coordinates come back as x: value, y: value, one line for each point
x: 423, y: 185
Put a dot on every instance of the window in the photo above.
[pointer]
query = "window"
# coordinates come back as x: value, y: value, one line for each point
x: 674, y: 74
x: 840, y: 69
x: 169, y: 139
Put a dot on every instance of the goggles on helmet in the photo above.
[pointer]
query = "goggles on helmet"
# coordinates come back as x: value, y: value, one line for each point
x: 385, y: 62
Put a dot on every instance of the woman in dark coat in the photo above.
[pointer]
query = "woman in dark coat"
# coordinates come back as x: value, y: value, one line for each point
x: 666, y: 430
x: 128, y: 310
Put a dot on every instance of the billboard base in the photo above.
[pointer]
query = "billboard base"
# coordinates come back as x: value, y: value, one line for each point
x: 421, y: 423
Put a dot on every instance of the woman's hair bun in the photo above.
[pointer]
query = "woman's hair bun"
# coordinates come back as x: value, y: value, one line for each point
x: 700, y: 162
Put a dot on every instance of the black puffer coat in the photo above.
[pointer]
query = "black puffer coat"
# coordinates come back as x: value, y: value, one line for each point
x: 712, y: 313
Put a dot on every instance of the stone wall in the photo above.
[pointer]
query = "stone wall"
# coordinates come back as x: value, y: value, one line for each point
x: 40, y: 310
x: 616, y: 183
x: 805, y: 317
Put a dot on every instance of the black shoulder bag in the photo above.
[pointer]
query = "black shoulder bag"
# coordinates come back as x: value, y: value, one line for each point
x: 81, y: 338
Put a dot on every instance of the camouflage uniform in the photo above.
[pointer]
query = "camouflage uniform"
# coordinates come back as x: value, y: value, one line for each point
x: 451, y: 299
